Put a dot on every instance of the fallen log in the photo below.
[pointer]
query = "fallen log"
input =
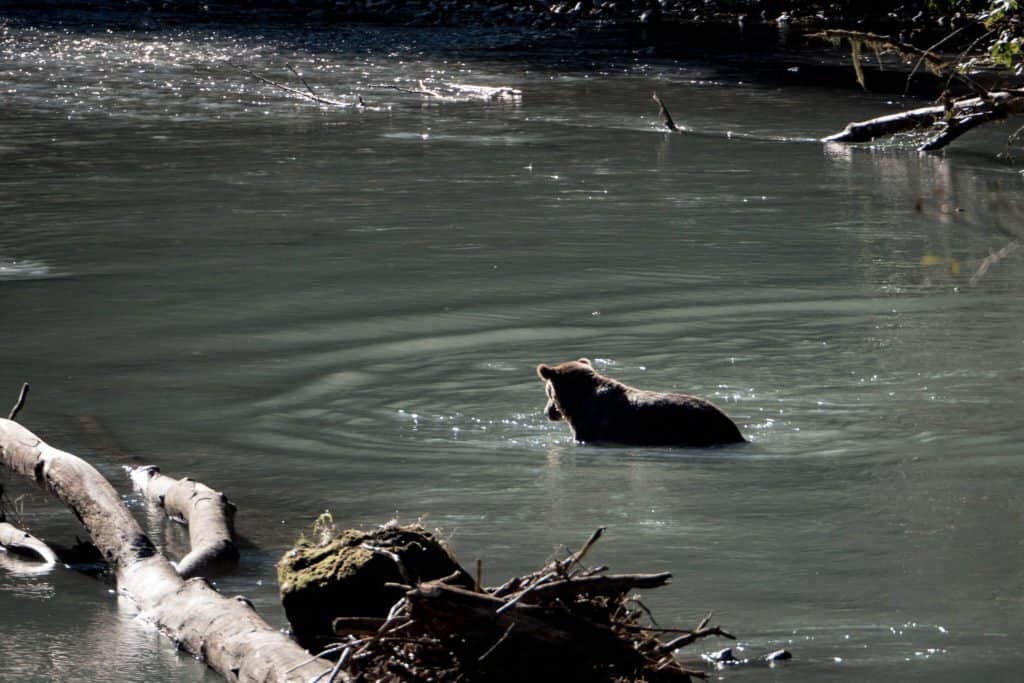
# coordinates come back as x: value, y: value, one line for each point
x: 949, y: 120
x: 22, y: 543
x: 952, y: 119
x: 208, y: 514
x: 226, y: 633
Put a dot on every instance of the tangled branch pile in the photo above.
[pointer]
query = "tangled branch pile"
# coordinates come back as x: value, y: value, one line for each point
x: 564, y: 621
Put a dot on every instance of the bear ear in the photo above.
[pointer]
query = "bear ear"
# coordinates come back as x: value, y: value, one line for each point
x: 545, y: 371
x: 585, y: 361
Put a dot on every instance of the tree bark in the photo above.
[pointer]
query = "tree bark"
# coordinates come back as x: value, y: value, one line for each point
x: 208, y: 514
x: 227, y: 633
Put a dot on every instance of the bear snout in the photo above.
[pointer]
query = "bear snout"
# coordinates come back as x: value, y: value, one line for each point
x: 552, y: 412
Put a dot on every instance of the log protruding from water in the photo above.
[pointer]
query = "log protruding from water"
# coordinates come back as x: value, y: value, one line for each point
x: 24, y: 544
x: 208, y: 514
x: 226, y: 633
x: 942, y: 123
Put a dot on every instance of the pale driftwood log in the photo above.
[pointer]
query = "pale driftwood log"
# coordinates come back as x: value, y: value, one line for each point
x: 951, y: 120
x: 25, y: 544
x: 227, y: 633
x: 208, y: 514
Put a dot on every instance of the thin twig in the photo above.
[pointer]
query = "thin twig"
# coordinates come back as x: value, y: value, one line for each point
x: 590, y: 571
x: 646, y: 610
x: 20, y: 402
x: 519, y: 596
x: 498, y: 642
x: 702, y: 631
x: 704, y: 622
x: 293, y: 91
x: 963, y: 76
x: 337, y: 667
x: 993, y: 258
x: 299, y: 76
x: 924, y: 54
x: 329, y: 651
x: 578, y: 555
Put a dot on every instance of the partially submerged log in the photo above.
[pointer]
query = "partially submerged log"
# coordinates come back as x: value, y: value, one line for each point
x: 226, y: 633
x: 22, y: 543
x: 942, y: 123
x: 948, y: 121
x: 208, y: 514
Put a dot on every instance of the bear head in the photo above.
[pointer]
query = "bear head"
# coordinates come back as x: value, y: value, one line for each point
x: 564, y: 384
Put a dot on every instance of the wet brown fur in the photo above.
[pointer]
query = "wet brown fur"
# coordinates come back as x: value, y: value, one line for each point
x: 601, y: 409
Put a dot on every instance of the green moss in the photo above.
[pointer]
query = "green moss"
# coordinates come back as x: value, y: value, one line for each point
x: 346, y: 575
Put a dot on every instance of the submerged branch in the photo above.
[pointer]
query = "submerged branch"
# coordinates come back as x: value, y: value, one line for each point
x: 310, y: 95
x: 992, y: 259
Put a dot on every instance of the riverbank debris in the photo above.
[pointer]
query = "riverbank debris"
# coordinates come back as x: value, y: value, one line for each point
x: 564, y: 621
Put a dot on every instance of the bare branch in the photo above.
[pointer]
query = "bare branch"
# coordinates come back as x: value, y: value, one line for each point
x: 293, y: 91
x: 20, y: 403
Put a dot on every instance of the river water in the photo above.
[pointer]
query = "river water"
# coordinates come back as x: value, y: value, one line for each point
x: 341, y: 308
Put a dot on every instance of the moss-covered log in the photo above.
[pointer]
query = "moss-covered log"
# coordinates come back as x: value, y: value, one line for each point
x: 357, y: 574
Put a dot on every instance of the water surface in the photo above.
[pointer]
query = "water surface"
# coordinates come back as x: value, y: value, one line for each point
x: 341, y: 308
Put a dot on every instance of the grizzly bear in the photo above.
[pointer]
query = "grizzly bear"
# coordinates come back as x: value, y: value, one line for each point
x: 600, y: 409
